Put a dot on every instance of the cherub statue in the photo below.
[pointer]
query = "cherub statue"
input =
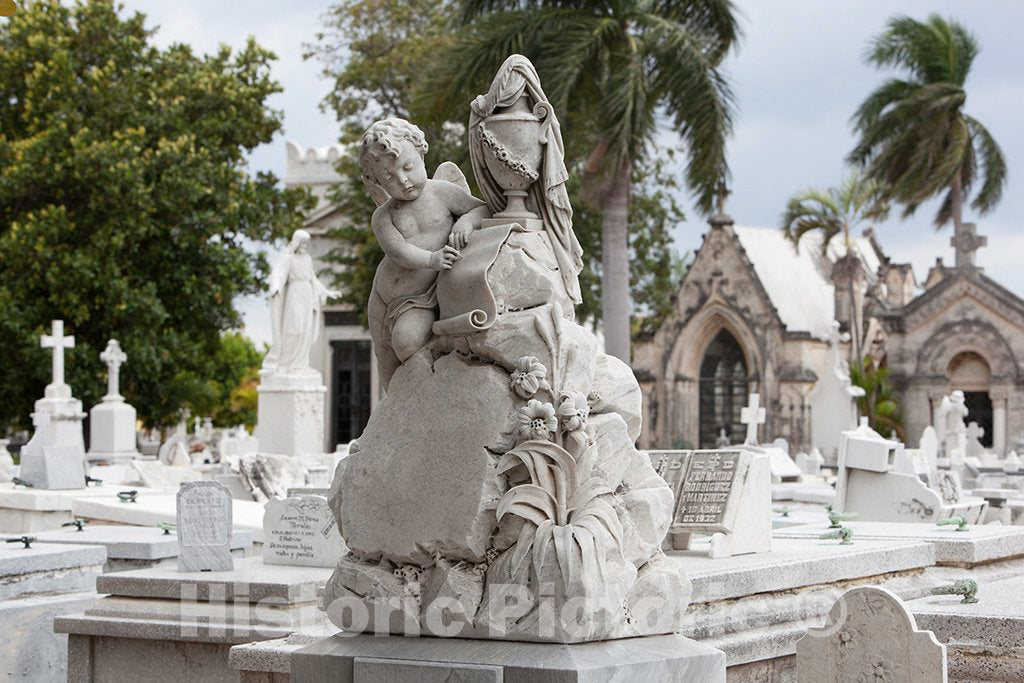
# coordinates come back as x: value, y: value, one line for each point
x: 950, y: 423
x: 421, y: 224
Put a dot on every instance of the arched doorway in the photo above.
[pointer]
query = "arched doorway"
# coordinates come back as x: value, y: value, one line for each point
x: 723, y: 389
x: 969, y: 373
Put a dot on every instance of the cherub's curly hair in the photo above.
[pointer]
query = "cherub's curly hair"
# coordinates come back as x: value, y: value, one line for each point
x: 384, y: 137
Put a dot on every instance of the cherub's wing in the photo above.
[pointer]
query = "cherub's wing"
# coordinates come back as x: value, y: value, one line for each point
x: 451, y: 172
x: 378, y: 193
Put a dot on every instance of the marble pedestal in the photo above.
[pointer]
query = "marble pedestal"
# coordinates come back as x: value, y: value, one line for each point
x: 370, y: 659
x: 65, y: 419
x: 182, y: 624
x: 112, y: 432
x: 134, y: 547
x: 38, y: 584
x: 290, y: 419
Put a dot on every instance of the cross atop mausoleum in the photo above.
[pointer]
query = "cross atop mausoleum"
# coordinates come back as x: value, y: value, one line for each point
x: 966, y: 242
x: 58, y: 342
x: 752, y: 416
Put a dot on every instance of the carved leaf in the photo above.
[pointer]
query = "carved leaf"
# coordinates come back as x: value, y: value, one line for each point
x: 521, y: 553
x: 564, y: 552
x: 587, y: 492
x: 541, y: 540
x: 528, y: 501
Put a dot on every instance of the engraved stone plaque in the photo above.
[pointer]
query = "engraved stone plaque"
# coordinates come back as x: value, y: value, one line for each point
x: 204, y: 527
x: 707, y: 500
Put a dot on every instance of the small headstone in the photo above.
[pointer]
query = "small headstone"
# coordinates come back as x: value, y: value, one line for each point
x: 166, y: 452
x: 722, y: 441
x: 725, y: 493
x: 180, y: 456
x: 45, y: 465
x: 974, y: 447
x: 930, y: 445
x: 301, y: 531
x: 783, y: 467
x: 870, y: 635
x: 204, y: 526
x: 810, y: 463
x: 781, y: 444
x: 670, y: 466
x: 1011, y: 463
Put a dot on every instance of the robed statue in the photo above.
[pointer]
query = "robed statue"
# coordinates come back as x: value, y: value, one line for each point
x: 296, y: 297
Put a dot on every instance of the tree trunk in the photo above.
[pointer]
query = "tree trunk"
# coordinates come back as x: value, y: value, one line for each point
x: 615, y: 299
x: 956, y: 190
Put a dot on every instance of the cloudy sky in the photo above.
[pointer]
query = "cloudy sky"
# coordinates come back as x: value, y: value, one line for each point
x: 798, y: 76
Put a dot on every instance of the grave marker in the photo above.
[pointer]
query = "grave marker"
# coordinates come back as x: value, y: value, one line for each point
x: 727, y: 494
x: 752, y: 415
x: 204, y: 525
x: 301, y: 531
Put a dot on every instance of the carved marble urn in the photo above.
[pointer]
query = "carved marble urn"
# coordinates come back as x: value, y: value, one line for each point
x: 511, y: 143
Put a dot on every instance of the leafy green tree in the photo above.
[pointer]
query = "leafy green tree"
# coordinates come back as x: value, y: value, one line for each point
x: 915, y: 137
x: 225, y: 388
x: 617, y: 65
x: 377, y: 53
x: 126, y: 208
x: 878, y: 404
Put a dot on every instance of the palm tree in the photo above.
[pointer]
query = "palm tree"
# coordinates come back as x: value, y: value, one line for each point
x: 613, y: 66
x: 914, y: 136
x: 833, y: 212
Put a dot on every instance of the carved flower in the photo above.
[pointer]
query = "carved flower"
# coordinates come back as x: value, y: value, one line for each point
x: 846, y: 639
x: 878, y: 670
x: 537, y: 420
x: 573, y: 411
x: 529, y: 377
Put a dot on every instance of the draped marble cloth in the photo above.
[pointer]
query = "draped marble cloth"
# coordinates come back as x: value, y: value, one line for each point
x: 548, y: 196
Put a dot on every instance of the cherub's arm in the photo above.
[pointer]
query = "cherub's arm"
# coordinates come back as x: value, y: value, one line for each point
x: 407, y: 255
x: 468, y: 211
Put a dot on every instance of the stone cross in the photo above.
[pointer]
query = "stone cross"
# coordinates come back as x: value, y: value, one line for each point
x: 966, y: 242
x: 58, y: 342
x: 113, y: 356
x: 752, y: 416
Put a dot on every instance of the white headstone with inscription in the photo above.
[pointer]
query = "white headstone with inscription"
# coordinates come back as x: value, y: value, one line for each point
x: 204, y: 526
x: 301, y: 531
x: 725, y: 493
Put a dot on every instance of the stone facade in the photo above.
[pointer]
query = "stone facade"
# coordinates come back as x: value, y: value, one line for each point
x: 774, y: 304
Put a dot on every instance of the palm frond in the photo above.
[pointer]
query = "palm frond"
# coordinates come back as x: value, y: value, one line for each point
x: 993, y: 163
x: 698, y: 98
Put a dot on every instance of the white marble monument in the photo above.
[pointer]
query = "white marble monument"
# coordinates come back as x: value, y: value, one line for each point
x: 64, y: 427
x: 951, y: 427
x: 292, y: 394
x: 501, y: 465
x: 112, y: 422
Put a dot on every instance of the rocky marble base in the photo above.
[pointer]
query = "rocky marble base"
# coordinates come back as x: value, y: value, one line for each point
x: 366, y: 659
